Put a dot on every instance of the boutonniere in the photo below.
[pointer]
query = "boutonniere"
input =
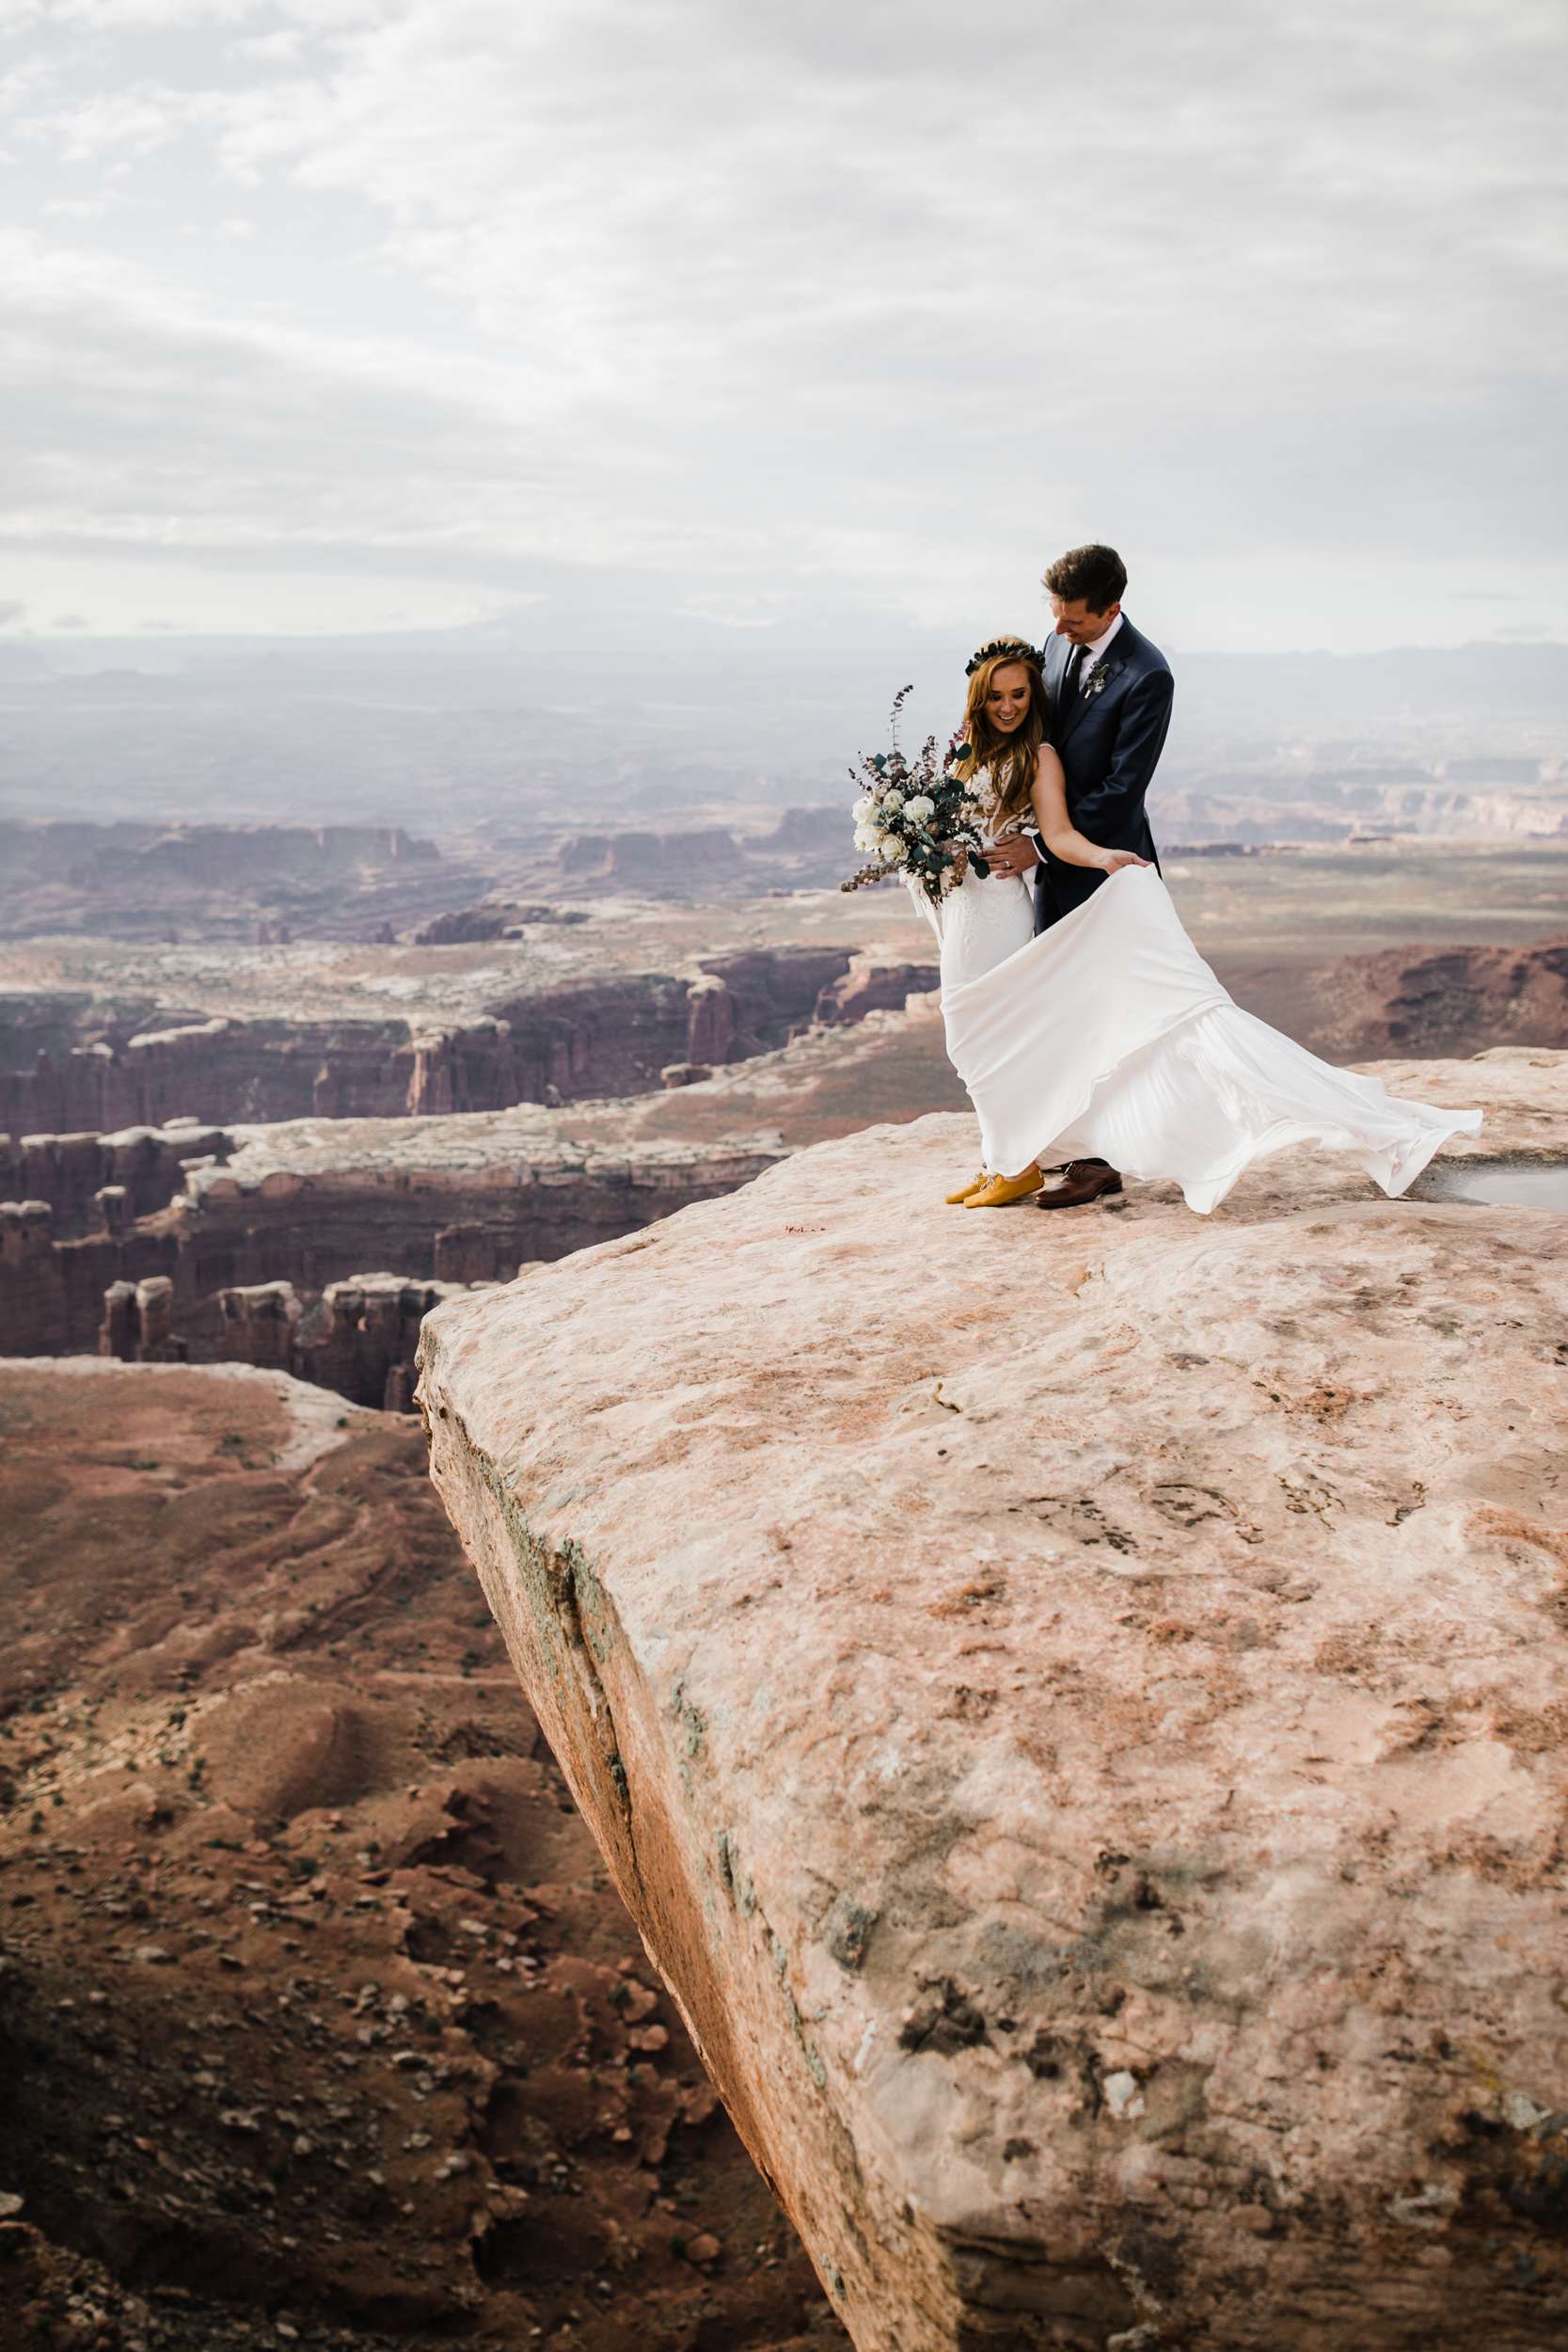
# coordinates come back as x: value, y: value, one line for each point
x: 1097, y: 679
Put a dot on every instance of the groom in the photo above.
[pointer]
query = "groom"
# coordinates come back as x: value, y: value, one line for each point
x: 1110, y: 707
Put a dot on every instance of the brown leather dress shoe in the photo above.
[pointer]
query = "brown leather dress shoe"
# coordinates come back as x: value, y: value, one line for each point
x: 1081, y: 1180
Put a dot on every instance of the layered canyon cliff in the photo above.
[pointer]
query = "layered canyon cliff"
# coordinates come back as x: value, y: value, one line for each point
x: 77, y: 1064
x: 135, y: 879
x: 221, y: 1242
x: 311, y: 1235
x: 284, y: 1047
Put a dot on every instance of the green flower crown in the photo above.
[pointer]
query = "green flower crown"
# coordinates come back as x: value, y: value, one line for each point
x: 1019, y: 647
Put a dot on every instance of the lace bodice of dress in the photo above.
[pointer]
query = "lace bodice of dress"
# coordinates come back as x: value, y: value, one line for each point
x: 984, y: 920
x: 985, y: 792
x: 992, y: 826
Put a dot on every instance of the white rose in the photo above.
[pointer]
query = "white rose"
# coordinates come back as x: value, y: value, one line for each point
x: 890, y: 849
x: 893, y: 798
x: 865, y: 806
x: 919, y: 808
x: 867, y: 836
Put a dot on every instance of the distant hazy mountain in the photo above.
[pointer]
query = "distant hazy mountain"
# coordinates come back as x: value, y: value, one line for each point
x: 484, y: 729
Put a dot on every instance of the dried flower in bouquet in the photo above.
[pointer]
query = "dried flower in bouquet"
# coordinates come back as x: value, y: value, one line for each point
x: 921, y: 822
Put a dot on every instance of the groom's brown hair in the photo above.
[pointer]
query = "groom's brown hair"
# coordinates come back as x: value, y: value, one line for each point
x: 1098, y: 575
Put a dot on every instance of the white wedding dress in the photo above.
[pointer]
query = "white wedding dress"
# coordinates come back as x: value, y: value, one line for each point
x: 1109, y: 1038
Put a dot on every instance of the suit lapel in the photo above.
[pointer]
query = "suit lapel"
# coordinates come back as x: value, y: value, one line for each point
x: 1113, y: 663
x: 1072, y: 711
x: 1055, y: 679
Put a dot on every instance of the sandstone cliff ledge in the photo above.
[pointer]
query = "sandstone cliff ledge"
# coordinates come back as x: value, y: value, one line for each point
x: 1075, y: 1706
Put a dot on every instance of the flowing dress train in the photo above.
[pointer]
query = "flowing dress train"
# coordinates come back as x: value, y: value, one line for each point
x: 1109, y: 1038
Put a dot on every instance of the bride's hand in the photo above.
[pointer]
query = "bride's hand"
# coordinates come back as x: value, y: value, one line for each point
x: 1112, y: 861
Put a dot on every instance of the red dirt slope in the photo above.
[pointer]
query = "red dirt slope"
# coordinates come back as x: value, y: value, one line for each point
x: 319, y: 2019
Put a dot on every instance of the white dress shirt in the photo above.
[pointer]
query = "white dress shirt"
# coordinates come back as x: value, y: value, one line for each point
x: 1095, y: 653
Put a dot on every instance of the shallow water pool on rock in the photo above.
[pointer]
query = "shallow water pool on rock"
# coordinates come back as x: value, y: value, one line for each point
x: 1508, y: 1185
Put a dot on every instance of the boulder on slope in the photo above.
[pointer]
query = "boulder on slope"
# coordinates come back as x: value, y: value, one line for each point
x: 1074, y: 1705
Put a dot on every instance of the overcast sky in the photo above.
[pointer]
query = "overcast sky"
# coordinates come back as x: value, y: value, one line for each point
x: 828, y: 317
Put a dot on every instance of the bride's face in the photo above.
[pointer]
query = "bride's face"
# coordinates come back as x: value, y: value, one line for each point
x: 1008, y: 702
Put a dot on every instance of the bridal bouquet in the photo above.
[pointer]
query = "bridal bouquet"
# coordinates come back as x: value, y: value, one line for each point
x: 921, y: 822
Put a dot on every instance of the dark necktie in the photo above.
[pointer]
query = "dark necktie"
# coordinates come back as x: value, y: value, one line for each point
x: 1069, y: 681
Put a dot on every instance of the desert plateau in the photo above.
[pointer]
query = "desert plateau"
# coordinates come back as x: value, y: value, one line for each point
x: 961, y: 1791
x: 784, y: 1177
x: 235, y: 1131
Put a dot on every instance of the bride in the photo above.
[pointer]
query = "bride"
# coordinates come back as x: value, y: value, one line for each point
x: 1107, y: 1039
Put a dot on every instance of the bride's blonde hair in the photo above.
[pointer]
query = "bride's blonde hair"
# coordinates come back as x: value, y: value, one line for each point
x: 1012, y: 758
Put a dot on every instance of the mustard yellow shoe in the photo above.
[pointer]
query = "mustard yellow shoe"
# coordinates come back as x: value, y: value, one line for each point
x: 1002, y: 1190
x: 975, y: 1184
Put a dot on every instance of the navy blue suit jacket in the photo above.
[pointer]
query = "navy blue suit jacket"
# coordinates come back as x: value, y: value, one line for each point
x: 1109, y: 745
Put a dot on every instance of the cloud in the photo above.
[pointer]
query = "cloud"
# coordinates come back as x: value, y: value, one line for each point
x: 869, y: 303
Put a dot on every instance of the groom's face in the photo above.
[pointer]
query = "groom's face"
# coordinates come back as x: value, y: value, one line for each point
x: 1078, y: 625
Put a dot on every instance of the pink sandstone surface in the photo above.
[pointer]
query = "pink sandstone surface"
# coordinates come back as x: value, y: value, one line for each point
x: 1075, y: 1707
